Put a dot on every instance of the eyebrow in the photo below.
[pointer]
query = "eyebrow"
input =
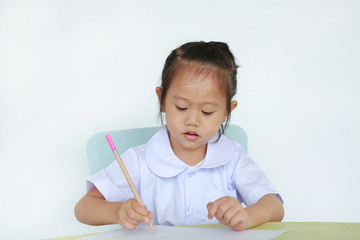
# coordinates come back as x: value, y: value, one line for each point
x: 176, y: 97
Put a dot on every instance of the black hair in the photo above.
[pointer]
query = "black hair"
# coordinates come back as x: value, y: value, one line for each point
x: 214, y: 55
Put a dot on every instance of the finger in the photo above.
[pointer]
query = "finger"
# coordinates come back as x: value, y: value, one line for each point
x: 238, y: 223
x: 221, y: 210
x: 142, y: 210
x: 133, y: 221
x: 145, y: 220
x: 133, y: 216
x: 211, y: 210
x: 139, y: 214
x: 223, y: 205
x: 213, y: 206
x: 227, y: 215
x: 127, y: 219
x: 128, y: 225
x: 151, y: 215
x: 237, y: 218
x: 235, y: 208
x: 127, y: 222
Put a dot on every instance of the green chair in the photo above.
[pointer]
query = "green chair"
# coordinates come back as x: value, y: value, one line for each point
x: 100, y: 155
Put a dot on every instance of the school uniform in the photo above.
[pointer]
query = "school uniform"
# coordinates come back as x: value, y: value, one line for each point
x: 176, y: 193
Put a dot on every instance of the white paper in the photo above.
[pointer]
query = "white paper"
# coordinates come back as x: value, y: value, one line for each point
x: 185, y: 233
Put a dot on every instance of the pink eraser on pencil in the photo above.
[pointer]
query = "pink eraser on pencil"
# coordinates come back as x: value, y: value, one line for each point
x: 111, y: 143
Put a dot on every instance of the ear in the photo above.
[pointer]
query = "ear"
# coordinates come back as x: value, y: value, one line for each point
x: 233, y: 105
x: 158, y: 93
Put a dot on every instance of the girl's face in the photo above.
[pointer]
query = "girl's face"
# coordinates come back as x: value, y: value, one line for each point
x: 195, y: 107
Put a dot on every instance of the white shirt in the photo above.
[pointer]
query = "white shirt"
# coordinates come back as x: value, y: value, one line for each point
x: 176, y: 193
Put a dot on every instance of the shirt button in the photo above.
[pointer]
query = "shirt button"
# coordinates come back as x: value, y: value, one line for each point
x: 191, y: 175
x: 192, y: 209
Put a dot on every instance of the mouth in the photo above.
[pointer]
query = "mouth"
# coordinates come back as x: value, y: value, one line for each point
x: 191, y: 135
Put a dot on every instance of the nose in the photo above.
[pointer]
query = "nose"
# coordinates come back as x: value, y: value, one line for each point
x: 192, y: 118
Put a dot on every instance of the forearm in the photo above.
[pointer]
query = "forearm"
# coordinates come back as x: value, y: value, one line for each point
x: 268, y: 209
x: 96, y: 211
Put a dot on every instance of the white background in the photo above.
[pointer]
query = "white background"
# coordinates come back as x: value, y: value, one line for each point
x: 69, y: 69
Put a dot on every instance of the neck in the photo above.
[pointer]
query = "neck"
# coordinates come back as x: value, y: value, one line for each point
x: 189, y: 156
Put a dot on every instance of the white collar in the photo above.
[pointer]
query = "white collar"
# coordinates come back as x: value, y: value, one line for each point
x: 163, y: 162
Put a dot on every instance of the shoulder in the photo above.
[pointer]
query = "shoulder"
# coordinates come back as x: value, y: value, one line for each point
x: 222, y: 151
x: 139, y: 152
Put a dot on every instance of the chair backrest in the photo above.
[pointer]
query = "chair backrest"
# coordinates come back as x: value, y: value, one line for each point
x: 100, y: 155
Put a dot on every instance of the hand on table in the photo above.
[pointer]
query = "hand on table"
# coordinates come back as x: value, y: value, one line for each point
x: 228, y: 211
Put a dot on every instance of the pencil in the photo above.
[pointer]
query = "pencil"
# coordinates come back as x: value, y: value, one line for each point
x: 127, y: 176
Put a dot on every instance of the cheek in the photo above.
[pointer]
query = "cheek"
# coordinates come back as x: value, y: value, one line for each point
x: 171, y: 115
x: 224, y: 118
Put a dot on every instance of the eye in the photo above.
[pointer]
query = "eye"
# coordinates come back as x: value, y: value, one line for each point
x: 180, y: 108
x: 207, y: 113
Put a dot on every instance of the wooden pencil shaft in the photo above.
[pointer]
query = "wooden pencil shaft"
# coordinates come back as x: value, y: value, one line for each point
x: 128, y: 179
x: 131, y: 184
x: 127, y: 176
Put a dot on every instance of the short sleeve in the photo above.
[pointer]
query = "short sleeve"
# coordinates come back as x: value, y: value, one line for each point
x: 249, y: 180
x: 111, y: 181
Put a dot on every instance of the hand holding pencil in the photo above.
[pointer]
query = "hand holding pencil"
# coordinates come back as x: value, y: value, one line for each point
x: 133, y: 211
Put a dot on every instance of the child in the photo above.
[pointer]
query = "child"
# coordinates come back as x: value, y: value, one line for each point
x: 188, y: 172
